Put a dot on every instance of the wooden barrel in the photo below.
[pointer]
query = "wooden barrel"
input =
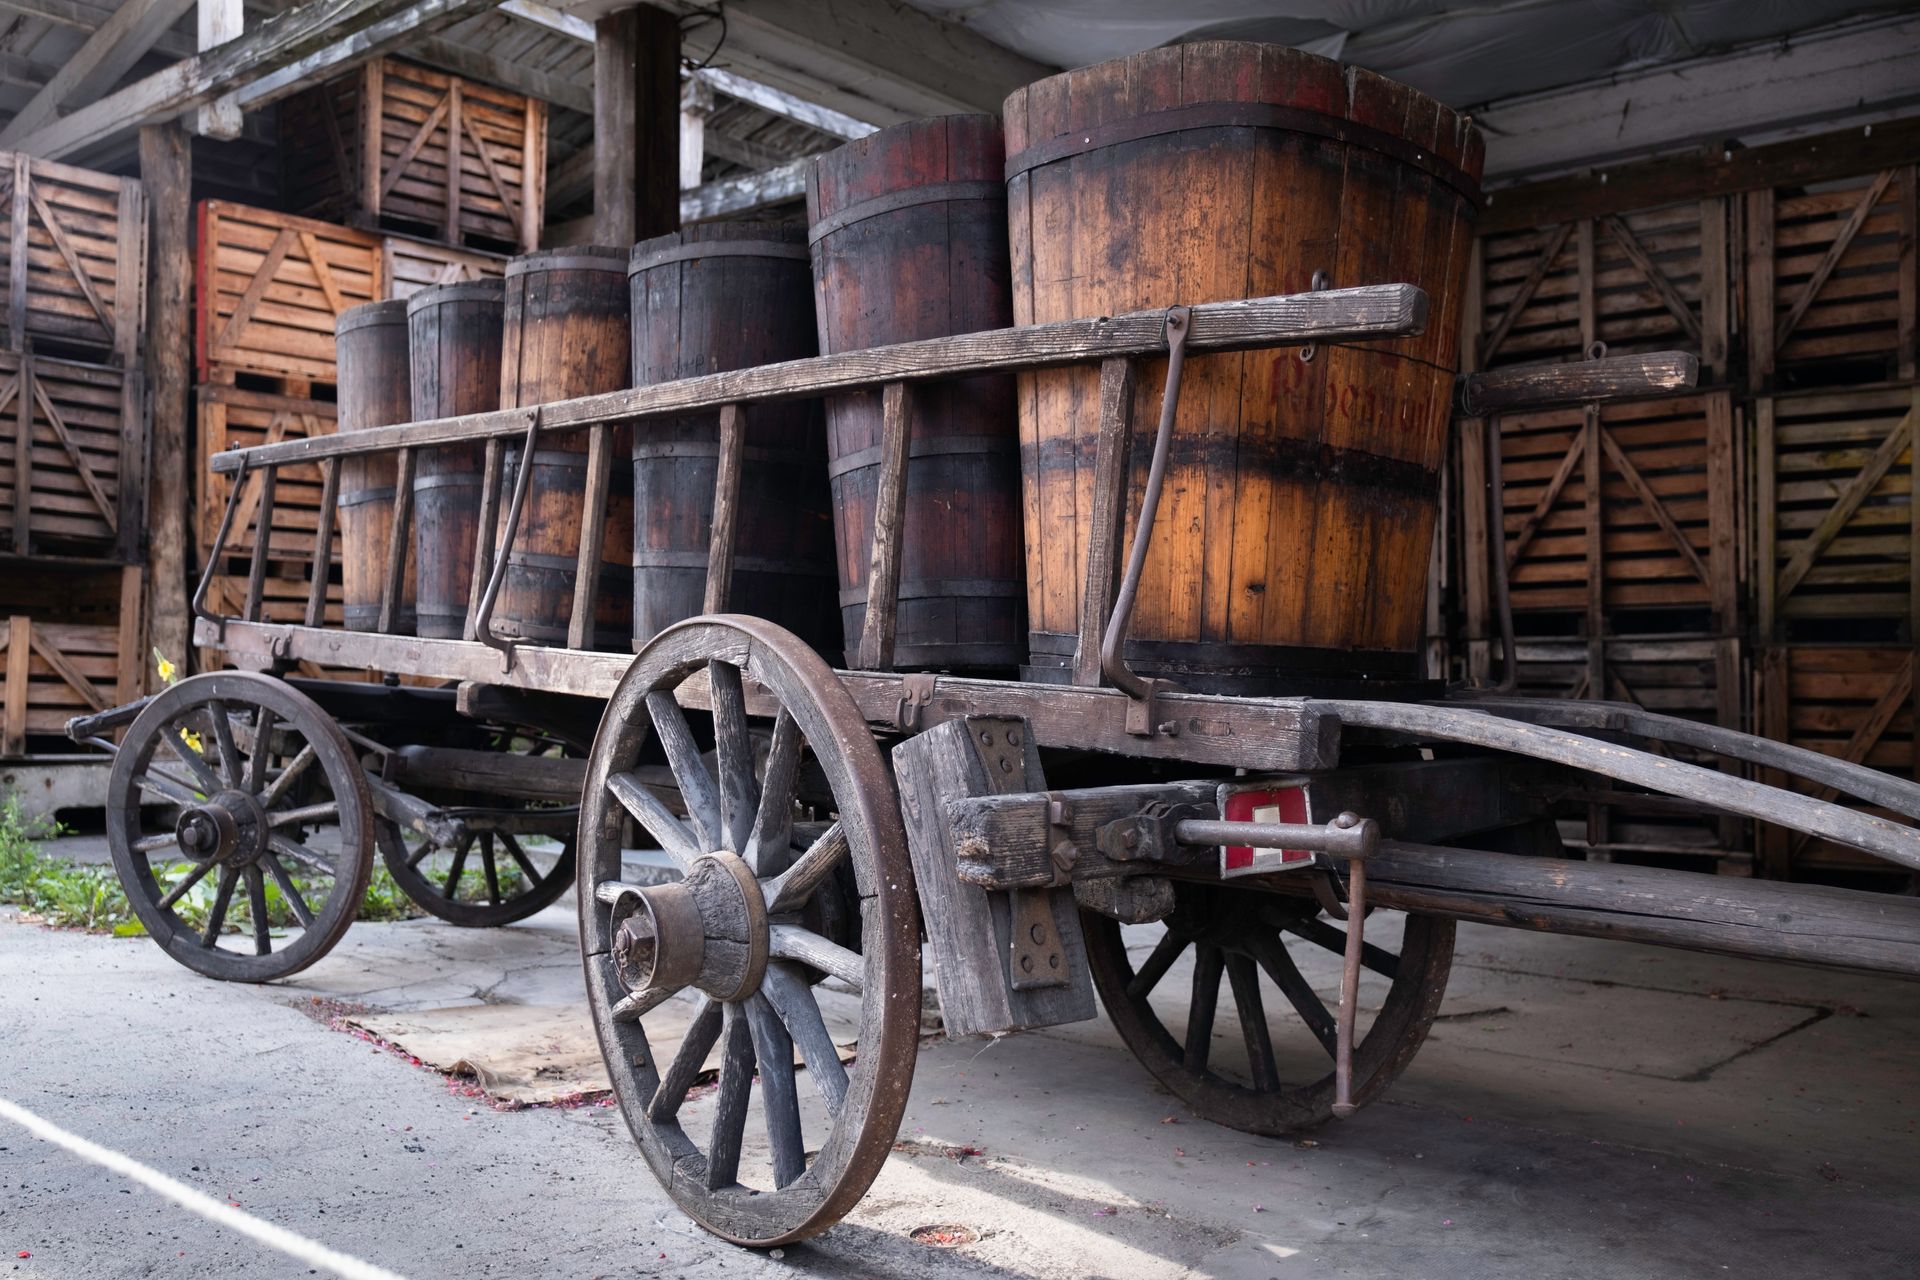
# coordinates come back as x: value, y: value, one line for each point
x: 453, y: 341
x: 909, y: 233
x: 729, y: 295
x: 565, y: 334
x: 370, y: 343
x: 1294, y: 532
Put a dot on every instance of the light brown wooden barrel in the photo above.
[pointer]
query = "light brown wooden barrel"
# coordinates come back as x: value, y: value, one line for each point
x: 1294, y: 532
x: 565, y: 335
x: 910, y: 241
x: 453, y: 340
x: 375, y: 391
x: 729, y: 295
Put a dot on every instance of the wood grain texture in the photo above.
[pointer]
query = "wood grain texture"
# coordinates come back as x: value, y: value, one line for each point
x: 376, y: 390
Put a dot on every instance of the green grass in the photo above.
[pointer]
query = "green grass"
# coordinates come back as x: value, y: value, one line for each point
x: 80, y: 896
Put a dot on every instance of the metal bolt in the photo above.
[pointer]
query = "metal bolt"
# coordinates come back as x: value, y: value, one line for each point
x: 1065, y: 854
x: 1170, y: 728
x: 1006, y: 766
x: 1013, y: 737
x: 1039, y: 932
x: 1347, y: 821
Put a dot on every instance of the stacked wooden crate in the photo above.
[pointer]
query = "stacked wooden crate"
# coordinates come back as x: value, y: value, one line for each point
x: 421, y: 151
x: 269, y: 289
x: 73, y: 446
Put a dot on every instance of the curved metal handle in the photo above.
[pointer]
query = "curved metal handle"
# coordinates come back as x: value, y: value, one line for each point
x: 483, y: 617
x: 1113, y: 663
x: 199, y: 602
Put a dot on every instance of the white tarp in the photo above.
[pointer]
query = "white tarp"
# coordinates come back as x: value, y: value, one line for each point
x: 1463, y: 54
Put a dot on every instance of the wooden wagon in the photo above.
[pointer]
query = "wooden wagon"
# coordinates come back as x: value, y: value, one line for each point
x: 824, y: 819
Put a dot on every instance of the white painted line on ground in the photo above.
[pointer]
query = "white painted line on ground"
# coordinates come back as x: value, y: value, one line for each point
x: 309, y: 1252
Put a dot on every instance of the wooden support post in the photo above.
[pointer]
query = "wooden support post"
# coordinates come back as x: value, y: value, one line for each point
x: 219, y: 22
x: 636, y: 118
x: 23, y: 458
x: 131, y: 678
x: 1761, y: 344
x: 1909, y: 297
x: 1597, y: 684
x: 878, y: 629
x: 165, y: 171
x: 1589, y: 307
x: 1715, y: 297
x: 13, y: 730
x: 399, y: 544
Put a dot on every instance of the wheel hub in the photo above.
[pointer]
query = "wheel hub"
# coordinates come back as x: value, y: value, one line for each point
x: 709, y: 931
x: 230, y: 828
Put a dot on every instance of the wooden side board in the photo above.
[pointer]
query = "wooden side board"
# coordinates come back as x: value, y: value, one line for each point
x: 73, y: 251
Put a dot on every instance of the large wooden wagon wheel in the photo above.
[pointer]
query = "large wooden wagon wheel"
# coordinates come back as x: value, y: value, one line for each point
x: 269, y: 814
x: 1238, y: 939
x: 492, y: 873
x: 747, y: 933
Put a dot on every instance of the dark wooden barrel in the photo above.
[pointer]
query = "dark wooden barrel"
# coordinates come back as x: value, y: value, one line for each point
x: 909, y: 232
x: 453, y: 340
x: 565, y: 335
x: 729, y: 295
x: 370, y: 343
x: 1294, y: 531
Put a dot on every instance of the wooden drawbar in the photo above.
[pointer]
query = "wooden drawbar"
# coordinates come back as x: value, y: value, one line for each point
x: 909, y: 237
x: 453, y: 342
x: 1295, y: 527
x: 370, y: 344
x: 729, y: 295
x: 565, y: 334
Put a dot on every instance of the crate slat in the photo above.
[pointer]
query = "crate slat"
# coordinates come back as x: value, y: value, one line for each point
x: 234, y: 417
x: 72, y: 457
x: 70, y: 642
x: 79, y: 285
x: 408, y: 265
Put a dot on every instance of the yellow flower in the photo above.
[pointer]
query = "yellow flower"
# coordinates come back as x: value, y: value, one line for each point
x: 192, y: 739
x: 169, y: 673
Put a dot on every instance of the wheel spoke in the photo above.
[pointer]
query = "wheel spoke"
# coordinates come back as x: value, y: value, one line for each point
x: 458, y: 868
x: 797, y: 883
x: 289, y: 848
x: 262, y: 754
x: 222, y: 724
x: 730, y: 1108
x: 1165, y: 952
x: 427, y: 845
x: 493, y: 872
x: 1207, y: 965
x: 257, y: 908
x: 291, y: 891
x: 733, y: 755
x: 791, y: 942
x: 217, y: 918
x: 1322, y: 934
x: 697, y: 791
x: 647, y: 809
x: 779, y: 1098
x: 301, y: 762
x: 311, y: 813
x: 166, y: 785
x: 770, y: 846
x: 175, y: 738
x: 153, y: 844
x: 1245, y: 980
x: 1273, y: 957
x: 688, y: 1060
x: 519, y: 855
x: 793, y: 1000
x: 632, y: 1008
x: 187, y: 882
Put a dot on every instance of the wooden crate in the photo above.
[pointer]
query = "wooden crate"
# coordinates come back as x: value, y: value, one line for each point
x: 72, y: 457
x: 270, y: 287
x: 233, y: 418
x: 70, y: 642
x: 1698, y: 677
x: 1834, y: 515
x: 390, y: 129
x: 1831, y: 274
x: 1853, y: 702
x: 408, y: 265
x: 73, y: 250
x: 1658, y: 531
x: 1646, y: 280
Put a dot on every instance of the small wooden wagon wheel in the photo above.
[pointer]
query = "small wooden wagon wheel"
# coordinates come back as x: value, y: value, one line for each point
x: 486, y: 876
x: 1237, y: 939
x: 742, y: 930
x: 270, y: 809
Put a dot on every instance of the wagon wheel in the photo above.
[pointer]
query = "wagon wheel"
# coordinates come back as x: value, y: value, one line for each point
x: 486, y: 876
x: 740, y: 932
x: 1278, y: 1086
x: 273, y: 825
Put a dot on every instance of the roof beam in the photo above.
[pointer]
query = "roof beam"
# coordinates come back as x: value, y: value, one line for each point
x: 780, y: 103
x: 128, y: 33
x: 747, y: 192
x: 282, y: 55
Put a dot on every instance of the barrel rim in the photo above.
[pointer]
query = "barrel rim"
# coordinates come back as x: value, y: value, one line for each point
x: 1193, y: 117
x: 577, y: 257
x: 492, y: 289
x: 861, y: 151
x: 646, y: 259
x: 369, y: 314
